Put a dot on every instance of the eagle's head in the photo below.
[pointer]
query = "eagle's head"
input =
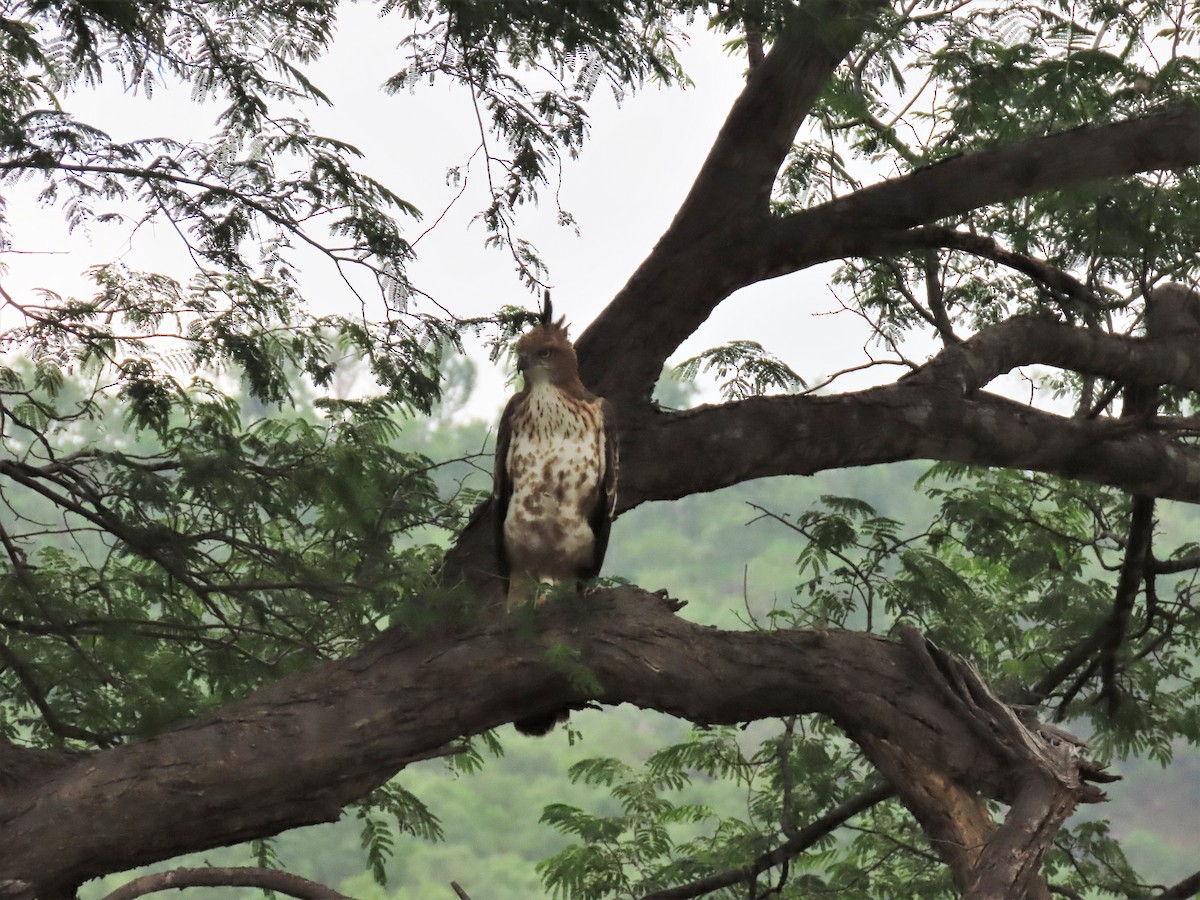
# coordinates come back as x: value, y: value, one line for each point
x: 545, y: 353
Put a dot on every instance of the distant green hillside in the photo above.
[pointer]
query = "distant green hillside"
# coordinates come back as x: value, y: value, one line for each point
x: 708, y: 550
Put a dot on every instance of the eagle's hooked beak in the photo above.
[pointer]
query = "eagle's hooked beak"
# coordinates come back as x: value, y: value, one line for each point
x: 528, y: 361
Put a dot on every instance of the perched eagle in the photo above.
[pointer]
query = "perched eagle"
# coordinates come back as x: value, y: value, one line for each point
x: 555, y: 477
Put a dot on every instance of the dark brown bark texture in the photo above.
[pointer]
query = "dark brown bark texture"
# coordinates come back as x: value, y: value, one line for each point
x: 298, y: 751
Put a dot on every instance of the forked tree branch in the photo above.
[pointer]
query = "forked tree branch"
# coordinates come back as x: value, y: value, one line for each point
x: 345, y: 727
x: 987, y: 860
x: 702, y: 260
x: 695, y: 264
x: 877, y: 218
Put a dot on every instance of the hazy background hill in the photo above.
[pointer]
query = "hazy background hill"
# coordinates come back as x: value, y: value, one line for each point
x: 709, y: 550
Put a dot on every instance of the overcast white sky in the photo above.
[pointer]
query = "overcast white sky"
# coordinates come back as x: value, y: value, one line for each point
x: 623, y: 192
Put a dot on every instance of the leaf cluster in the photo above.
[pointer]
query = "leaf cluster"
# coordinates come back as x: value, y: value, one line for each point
x: 745, y: 370
x: 653, y: 838
x: 932, y: 81
x: 148, y: 575
x: 530, y: 73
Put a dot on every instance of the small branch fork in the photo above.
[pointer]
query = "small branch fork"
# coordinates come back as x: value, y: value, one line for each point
x: 1172, y: 314
x: 1046, y: 779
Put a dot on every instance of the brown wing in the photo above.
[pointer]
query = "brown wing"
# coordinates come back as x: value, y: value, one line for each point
x: 502, y: 486
x: 606, y: 504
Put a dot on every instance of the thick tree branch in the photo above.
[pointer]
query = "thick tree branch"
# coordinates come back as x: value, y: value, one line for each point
x: 21, y: 765
x: 671, y: 293
x: 954, y: 819
x: 737, y: 177
x: 805, y: 435
x: 875, y: 219
x: 1009, y: 864
x: 939, y: 412
x: 346, y: 727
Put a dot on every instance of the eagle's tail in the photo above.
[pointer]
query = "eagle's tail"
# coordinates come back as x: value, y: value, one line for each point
x: 538, y: 726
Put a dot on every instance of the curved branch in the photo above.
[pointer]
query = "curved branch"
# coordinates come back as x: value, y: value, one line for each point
x: 672, y: 292
x: 938, y: 412
x: 1026, y: 340
x: 267, y: 879
x: 1051, y: 277
x: 346, y: 727
x: 875, y: 219
x: 789, y: 849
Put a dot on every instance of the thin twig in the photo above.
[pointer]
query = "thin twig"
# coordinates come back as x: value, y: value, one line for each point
x: 804, y: 838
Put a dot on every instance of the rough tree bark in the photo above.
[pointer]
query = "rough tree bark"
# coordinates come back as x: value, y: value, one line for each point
x: 346, y: 726
x: 298, y: 751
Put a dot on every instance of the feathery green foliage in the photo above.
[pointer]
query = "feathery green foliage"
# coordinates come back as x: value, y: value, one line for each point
x: 189, y: 509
